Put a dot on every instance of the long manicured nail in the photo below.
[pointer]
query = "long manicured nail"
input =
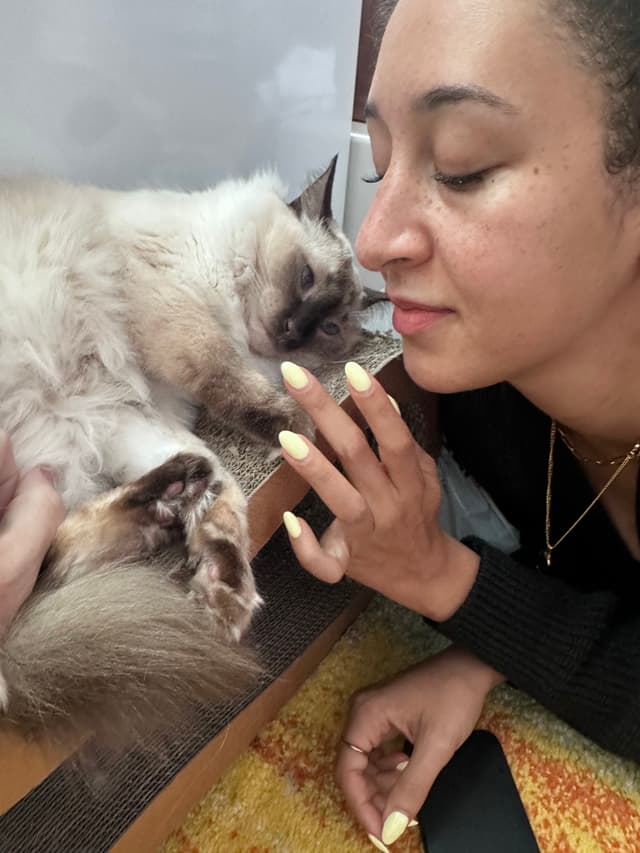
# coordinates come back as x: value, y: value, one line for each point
x: 358, y: 377
x: 294, y: 375
x: 402, y: 766
x: 378, y: 844
x: 292, y: 524
x: 395, y: 405
x: 293, y: 444
x: 394, y: 826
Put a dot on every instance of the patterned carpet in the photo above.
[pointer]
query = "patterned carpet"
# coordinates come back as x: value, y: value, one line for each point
x: 279, y: 797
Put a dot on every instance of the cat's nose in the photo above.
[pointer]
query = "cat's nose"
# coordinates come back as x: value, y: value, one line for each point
x: 290, y: 334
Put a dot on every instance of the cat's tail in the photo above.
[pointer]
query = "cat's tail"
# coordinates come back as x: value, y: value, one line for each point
x: 119, y: 652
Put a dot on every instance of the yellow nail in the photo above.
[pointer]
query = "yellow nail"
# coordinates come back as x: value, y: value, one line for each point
x: 413, y: 823
x: 357, y: 376
x: 394, y: 826
x: 292, y: 524
x: 394, y: 403
x: 378, y: 844
x: 293, y: 444
x: 294, y: 375
x: 403, y: 765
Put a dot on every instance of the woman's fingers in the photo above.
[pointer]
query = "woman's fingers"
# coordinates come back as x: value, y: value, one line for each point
x: 342, y: 498
x: 360, y: 463
x: 31, y: 520
x: 367, y: 728
x: 411, y: 787
x: 396, y: 445
x: 328, y: 561
x: 8, y: 472
x: 398, y: 469
x: 359, y: 789
x: 26, y: 532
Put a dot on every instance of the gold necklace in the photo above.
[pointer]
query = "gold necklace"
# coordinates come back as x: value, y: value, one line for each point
x: 589, y: 459
x: 632, y: 453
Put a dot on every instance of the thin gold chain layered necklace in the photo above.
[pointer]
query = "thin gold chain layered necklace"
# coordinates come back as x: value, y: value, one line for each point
x: 620, y: 461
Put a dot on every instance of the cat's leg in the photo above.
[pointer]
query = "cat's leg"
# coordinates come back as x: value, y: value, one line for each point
x: 236, y: 393
x: 210, y: 369
x: 188, y: 497
x: 133, y: 520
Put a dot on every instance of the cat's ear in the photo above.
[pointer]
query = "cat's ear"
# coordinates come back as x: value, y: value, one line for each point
x: 315, y: 201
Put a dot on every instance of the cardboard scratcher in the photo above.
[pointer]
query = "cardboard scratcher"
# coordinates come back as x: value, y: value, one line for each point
x: 46, y: 804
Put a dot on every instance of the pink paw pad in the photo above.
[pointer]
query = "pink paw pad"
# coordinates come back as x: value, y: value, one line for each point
x: 173, y: 490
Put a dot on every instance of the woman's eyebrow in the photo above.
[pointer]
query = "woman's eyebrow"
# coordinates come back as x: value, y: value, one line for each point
x: 444, y: 96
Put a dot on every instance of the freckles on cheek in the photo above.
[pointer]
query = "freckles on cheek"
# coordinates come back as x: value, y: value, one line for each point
x: 491, y: 254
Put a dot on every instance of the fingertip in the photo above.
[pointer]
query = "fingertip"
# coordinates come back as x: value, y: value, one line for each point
x: 49, y: 475
x: 358, y: 377
x: 294, y: 375
x: 293, y: 444
x: 37, y: 487
x: 292, y: 525
x: 394, y: 826
x: 394, y: 403
x: 379, y: 845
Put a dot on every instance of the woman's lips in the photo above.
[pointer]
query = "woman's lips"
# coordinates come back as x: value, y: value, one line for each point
x: 410, y: 317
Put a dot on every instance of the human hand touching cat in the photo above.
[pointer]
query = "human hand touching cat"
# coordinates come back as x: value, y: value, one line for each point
x: 386, y: 533
x: 435, y: 706
x: 30, y: 512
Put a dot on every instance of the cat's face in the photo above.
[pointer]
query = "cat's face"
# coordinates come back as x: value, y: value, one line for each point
x: 308, y: 293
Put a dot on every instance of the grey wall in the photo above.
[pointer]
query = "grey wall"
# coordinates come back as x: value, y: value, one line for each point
x: 128, y: 93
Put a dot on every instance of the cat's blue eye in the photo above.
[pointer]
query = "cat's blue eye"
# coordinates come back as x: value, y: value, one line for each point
x: 460, y: 183
x: 372, y: 179
x: 329, y: 327
x: 307, y: 278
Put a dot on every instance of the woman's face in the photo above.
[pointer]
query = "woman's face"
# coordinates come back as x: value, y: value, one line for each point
x: 498, y: 230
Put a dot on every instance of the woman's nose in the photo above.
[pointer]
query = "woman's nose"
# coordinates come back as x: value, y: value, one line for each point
x: 396, y: 227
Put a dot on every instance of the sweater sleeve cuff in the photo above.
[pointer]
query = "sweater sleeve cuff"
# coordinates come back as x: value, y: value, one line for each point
x: 514, y: 614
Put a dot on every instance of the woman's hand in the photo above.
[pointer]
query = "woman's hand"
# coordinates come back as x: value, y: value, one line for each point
x: 30, y: 512
x: 435, y: 706
x: 386, y: 533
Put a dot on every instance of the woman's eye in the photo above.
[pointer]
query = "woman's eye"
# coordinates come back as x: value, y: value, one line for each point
x: 307, y: 278
x: 460, y: 183
x: 329, y: 327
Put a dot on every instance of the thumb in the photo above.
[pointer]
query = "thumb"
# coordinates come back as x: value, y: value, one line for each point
x: 31, y: 519
x: 26, y: 532
x: 406, y: 797
x: 9, y: 473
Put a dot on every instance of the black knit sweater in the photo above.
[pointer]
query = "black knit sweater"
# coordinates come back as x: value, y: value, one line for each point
x: 568, y: 636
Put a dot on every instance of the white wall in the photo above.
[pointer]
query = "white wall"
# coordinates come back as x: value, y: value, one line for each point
x: 176, y: 93
x: 360, y: 193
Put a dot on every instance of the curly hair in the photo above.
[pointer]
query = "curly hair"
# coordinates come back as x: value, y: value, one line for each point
x: 606, y: 36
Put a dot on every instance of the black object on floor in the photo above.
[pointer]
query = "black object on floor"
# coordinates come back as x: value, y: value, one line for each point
x: 474, y: 805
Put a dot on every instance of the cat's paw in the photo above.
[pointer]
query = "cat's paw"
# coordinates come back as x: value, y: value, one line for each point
x: 299, y: 421
x: 282, y: 412
x: 231, y: 611
x: 176, y: 493
x: 224, y: 582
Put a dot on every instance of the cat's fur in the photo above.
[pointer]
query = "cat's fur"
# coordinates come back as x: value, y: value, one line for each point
x: 119, y: 310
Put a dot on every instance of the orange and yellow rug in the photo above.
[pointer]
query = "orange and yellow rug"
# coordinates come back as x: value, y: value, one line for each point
x: 279, y: 797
